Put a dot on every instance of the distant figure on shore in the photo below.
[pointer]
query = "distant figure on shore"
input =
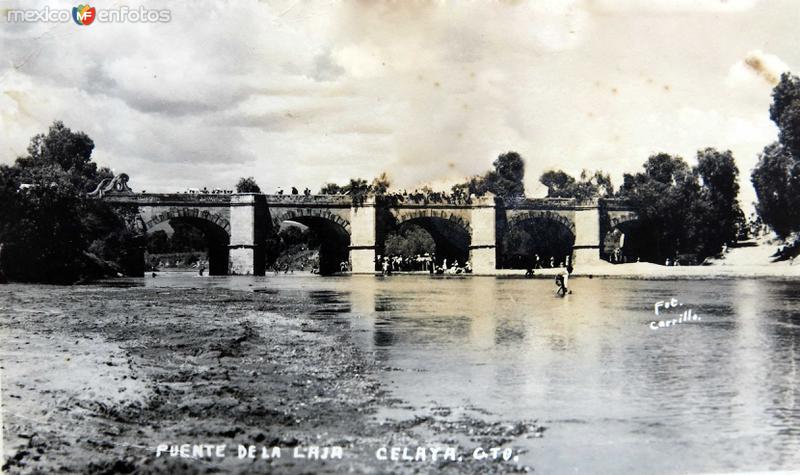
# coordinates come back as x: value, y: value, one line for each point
x: 202, y: 269
x: 294, y: 191
x: 667, y: 262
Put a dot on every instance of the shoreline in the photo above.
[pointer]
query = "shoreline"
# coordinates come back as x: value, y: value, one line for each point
x: 639, y: 270
x: 96, y: 378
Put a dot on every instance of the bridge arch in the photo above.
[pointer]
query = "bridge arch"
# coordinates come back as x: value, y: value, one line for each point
x: 622, y: 238
x: 450, y: 230
x: 310, y: 214
x: 457, y: 219
x: 536, y: 238
x: 333, y: 231
x: 192, y: 213
x: 214, y: 227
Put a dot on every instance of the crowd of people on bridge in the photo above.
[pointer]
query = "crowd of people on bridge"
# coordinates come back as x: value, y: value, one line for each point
x: 294, y: 191
x: 427, y: 196
x: 206, y: 191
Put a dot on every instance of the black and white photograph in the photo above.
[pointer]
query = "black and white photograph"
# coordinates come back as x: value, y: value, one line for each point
x: 400, y: 237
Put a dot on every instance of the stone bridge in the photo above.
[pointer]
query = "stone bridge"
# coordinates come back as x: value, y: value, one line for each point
x: 237, y: 226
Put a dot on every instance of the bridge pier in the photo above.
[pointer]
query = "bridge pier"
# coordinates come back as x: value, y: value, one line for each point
x: 246, y: 248
x: 362, y: 238
x: 586, y: 250
x: 483, y: 244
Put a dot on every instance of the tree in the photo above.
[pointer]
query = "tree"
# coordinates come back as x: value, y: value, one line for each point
x: 71, y: 151
x: 559, y: 184
x: 720, y: 177
x: 776, y: 177
x: 504, y: 181
x: 247, y: 185
x: 685, y: 210
x: 410, y: 240
x: 380, y: 184
x: 158, y: 242
x: 331, y: 189
x: 785, y: 112
x: 590, y: 186
x: 49, y: 230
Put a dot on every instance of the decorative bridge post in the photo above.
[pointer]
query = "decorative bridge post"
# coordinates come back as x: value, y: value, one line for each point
x: 246, y: 248
x: 362, y: 237
x: 483, y: 245
x: 586, y: 250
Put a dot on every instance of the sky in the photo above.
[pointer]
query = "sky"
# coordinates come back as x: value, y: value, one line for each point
x: 299, y: 93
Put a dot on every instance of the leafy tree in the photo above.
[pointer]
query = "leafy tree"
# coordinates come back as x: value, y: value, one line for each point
x: 776, y: 177
x: 559, y: 184
x: 49, y: 230
x: 247, y: 185
x: 410, y: 240
x: 380, y: 184
x: 785, y: 112
x: 504, y: 181
x: 186, y: 237
x: 158, y: 242
x: 71, y: 151
x: 590, y: 186
x: 720, y: 181
x: 685, y: 210
x: 331, y: 189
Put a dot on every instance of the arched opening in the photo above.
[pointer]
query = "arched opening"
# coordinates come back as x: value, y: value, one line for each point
x: 411, y: 247
x: 450, y: 239
x: 309, y: 243
x: 187, y: 243
x: 536, y: 243
x: 628, y: 242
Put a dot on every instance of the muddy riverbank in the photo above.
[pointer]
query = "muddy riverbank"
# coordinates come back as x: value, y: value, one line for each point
x: 95, y: 378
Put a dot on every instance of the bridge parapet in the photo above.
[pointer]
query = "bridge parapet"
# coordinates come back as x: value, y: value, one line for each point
x: 169, y: 199
x: 616, y: 204
x: 539, y: 203
x: 343, y: 201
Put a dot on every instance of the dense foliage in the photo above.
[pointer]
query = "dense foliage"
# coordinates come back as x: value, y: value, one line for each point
x: 409, y: 240
x: 684, y: 210
x: 590, y: 186
x: 505, y: 180
x: 776, y: 177
x: 247, y: 185
x: 49, y: 230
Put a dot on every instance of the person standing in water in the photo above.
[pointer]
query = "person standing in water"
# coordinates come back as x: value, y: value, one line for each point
x: 562, y: 281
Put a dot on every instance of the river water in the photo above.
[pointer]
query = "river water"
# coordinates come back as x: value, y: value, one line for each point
x: 721, y: 393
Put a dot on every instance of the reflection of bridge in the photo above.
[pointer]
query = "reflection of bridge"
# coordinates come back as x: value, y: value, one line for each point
x: 237, y: 225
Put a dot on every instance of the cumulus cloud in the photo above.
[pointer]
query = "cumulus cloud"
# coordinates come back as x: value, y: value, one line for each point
x: 430, y: 91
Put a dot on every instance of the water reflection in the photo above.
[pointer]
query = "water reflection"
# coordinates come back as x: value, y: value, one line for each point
x: 710, y: 395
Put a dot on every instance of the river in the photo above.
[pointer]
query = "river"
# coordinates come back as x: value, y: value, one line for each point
x: 716, y: 393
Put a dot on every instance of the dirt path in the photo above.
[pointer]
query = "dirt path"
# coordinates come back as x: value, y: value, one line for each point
x: 94, y: 379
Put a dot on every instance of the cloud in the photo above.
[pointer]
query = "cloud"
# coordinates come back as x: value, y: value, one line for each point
x: 431, y: 91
